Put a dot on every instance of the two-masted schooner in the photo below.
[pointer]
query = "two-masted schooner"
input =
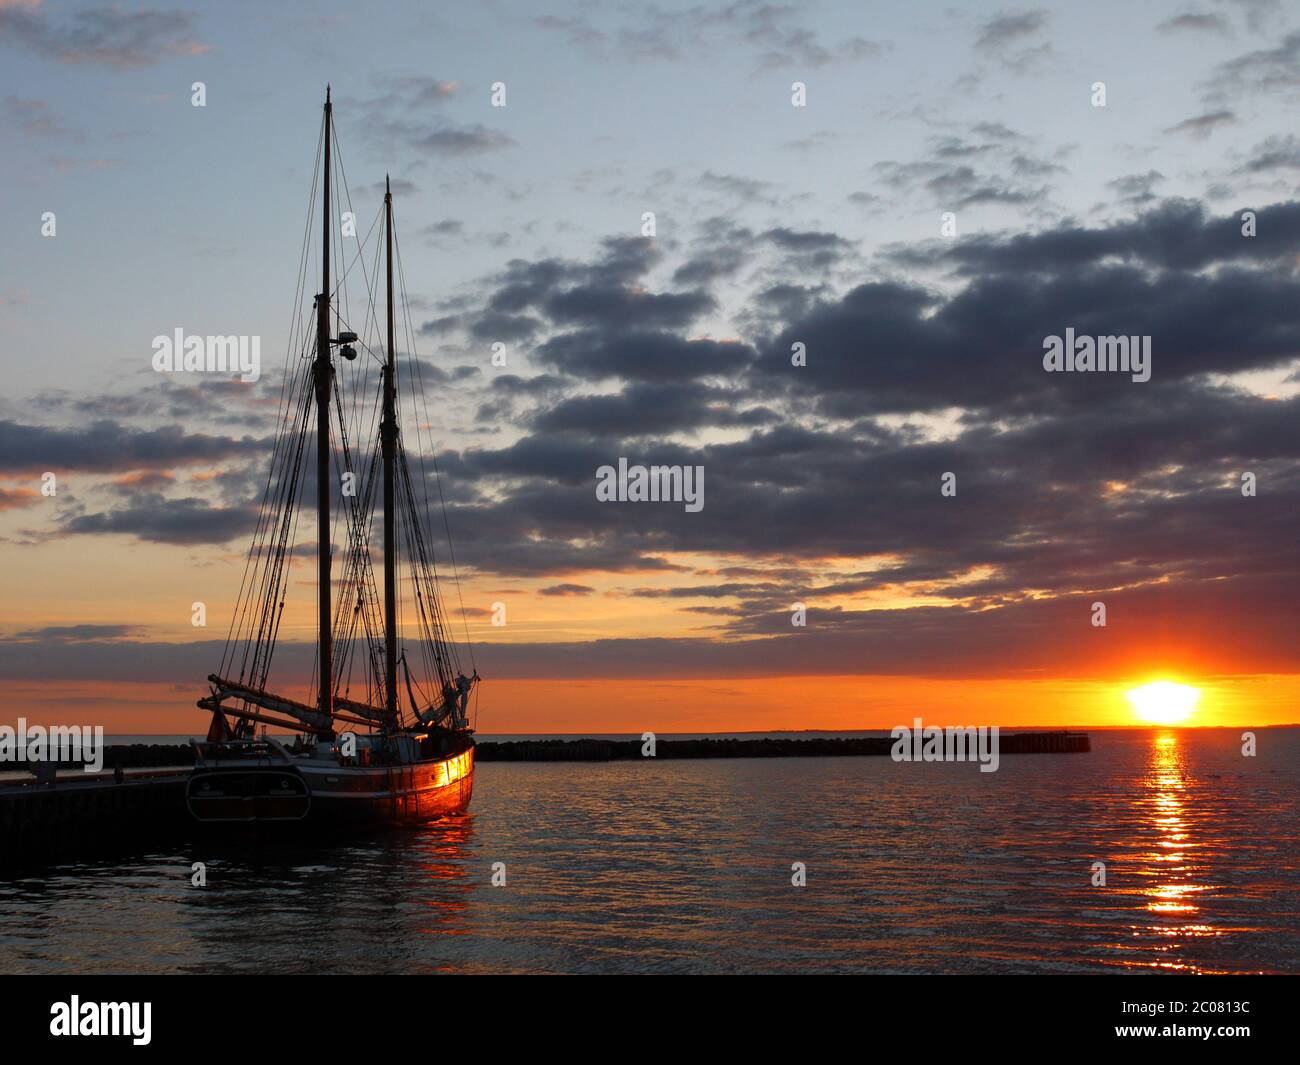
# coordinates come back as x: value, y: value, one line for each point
x: 359, y: 752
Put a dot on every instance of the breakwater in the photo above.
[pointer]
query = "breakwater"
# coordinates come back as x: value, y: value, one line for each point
x: 584, y: 750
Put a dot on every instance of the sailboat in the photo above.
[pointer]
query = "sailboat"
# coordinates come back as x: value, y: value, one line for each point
x: 354, y: 751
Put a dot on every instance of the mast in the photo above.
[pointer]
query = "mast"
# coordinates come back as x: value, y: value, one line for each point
x: 389, y: 434
x: 323, y: 373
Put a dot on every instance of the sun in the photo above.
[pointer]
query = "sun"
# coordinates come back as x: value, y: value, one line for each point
x: 1163, y: 702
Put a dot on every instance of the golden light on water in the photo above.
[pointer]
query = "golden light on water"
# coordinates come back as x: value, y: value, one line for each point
x: 1163, y: 702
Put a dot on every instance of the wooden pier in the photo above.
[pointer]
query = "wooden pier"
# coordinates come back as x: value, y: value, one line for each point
x: 85, y: 813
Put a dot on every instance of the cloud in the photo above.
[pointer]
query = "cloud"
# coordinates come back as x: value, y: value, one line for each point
x: 1231, y: 627
x: 1009, y: 27
x: 106, y: 445
x: 407, y: 115
x: 641, y: 355
x: 108, y: 36
x: 151, y: 517
x: 1177, y: 235
x: 444, y: 139
x: 1275, y: 153
x: 589, y: 305
x: 770, y: 33
x: 957, y: 173
x: 1201, y: 126
x: 400, y: 188
x: 1137, y: 188
x: 822, y: 481
x: 650, y: 408
x: 888, y: 347
x: 576, y: 31
x: 808, y: 249
x: 1261, y: 72
x: 1195, y: 21
x: 1006, y: 38
x: 1072, y: 487
x: 566, y: 590
x: 61, y: 634
x: 1258, y: 12
x: 744, y: 189
x: 18, y: 497
x: 34, y: 117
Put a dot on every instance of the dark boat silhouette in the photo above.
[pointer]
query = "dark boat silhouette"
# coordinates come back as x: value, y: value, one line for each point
x: 358, y: 756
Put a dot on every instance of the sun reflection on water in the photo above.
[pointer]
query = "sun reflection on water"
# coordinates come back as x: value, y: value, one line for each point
x: 1171, y: 893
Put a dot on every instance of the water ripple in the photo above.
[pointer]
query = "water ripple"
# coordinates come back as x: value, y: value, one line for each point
x: 686, y: 867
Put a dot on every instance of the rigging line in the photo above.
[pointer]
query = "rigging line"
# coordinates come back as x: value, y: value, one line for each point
x: 426, y: 640
x: 358, y: 583
x: 284, y: 557
x: 363, y: 507
x: 451, y: 550
x: 259, y: 544
x: 445, y: 661
x: 274, y: 572
x: 358, y: 256
x: 267, y: 571
x: 438, y: 619
x: 347, y: 191
x: 286, y: 466
x: 359, y: 572
x: 372, y: 319
x: 336, y: 246
x: 344, y: 274
x: 427, y: 644
x: 360, y: 566
x: 431, y: 608
x: 272, y: 535
x: 372, y: 621
x: 355, y: 371
x: 371, y: 309
x: 282, y: 423
x: 261, y: 547
x: 338, y: 455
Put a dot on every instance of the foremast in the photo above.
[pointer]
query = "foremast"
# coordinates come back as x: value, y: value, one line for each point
x: 323, y: 371
x: 388, y: 430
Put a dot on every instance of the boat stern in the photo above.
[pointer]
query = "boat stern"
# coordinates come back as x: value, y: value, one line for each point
x: 238, y: 783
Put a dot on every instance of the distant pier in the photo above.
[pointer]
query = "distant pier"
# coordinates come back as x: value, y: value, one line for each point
x: 780, y: 747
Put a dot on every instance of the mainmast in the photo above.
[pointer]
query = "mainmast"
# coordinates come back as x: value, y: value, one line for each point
x: 389, y: 436
x: 323, y: 374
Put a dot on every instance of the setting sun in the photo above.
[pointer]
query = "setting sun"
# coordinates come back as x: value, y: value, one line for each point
x: 1163, y: 702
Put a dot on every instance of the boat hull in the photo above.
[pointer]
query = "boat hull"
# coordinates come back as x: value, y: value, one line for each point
x: 324, y: 795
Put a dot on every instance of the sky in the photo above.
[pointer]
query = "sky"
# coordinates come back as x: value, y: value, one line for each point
x: 952, y: 192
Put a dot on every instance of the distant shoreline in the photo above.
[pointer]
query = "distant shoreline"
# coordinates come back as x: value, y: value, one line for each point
x: 127, y: 738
